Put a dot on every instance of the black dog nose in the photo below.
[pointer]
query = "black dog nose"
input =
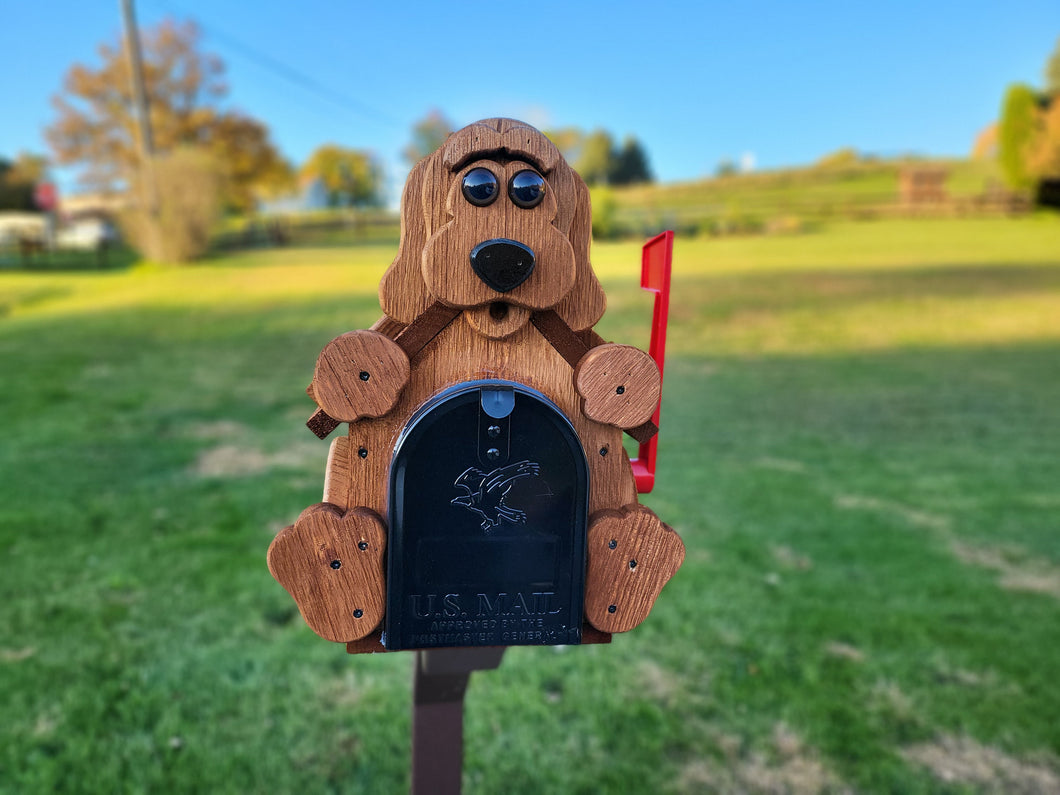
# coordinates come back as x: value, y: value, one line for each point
x: 502, y: 264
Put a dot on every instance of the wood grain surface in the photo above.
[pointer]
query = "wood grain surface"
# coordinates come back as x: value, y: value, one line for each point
x: 331, y: 562
x: 431, y: 206
x: 514, y: 139
x: 620, y: 384
x: 359, y: 374
x: 446, y: 257
x: 498, y: 320
x: 632, y: 555
x: 459, y: 354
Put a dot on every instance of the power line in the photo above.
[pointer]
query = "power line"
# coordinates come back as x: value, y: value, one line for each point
x: 285, y: 71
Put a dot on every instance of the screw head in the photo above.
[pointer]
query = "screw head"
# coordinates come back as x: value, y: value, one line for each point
x: 336, y: 564
x: 603, y: 451
x: 620, y: 390
x: 493, y: 454
x: 632, y: 564
x: 494, y: 431
x: 365, y: 375
x: 612, y: 608
x: 358, y: 613
x: 362, y: 545
x: 362, y: 452
x: 612, y: 544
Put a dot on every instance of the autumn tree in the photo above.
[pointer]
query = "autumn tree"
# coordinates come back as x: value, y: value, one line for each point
x: 96, y: 123
x: 1043, y: 151
x: 350, y: 176
x: 428, y: 134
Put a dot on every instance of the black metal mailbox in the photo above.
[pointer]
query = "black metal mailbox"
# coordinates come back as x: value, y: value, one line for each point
x: 488, y: 512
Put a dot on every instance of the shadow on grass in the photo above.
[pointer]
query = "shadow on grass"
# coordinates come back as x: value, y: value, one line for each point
x: 114, y: 259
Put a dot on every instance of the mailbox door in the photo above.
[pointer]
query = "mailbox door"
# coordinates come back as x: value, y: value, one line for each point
x: 487, y: 517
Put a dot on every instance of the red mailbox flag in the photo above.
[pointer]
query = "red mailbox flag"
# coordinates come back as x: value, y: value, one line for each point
x: 656, y: 261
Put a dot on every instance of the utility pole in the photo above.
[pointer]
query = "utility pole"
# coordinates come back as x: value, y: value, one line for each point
x: 136, y: 75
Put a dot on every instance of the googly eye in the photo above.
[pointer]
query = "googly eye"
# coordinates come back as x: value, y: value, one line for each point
x: 480, y: 187
x: 527, y: 189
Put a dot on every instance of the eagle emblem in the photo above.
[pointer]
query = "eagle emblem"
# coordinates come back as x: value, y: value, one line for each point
x: 486, y: 492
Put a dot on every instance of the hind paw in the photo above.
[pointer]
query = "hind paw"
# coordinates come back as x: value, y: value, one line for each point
x: 332, y: 564
x: 632, y: 555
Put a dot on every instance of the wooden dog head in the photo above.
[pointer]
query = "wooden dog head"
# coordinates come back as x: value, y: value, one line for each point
x: 496, y: 224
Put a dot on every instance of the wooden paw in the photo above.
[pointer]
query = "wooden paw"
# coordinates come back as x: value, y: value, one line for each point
x: 620, y: 384
x: 359, y: 374
x: 332, y: 564
x: 632, y: 555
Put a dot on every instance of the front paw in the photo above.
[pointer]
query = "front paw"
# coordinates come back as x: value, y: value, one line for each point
x: 620, y: 385
x: 359, y: 374
x: 332, y: 564
x: 632, y: 555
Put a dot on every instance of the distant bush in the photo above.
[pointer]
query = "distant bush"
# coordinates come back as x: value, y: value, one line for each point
x: 189, y: 191
x: 785, y: 225
x: 731, y: 224
x: 604, y: 212
x: 839, y: 159
x: 726, y: 167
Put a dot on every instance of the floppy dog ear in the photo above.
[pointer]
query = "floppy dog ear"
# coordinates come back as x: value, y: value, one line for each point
x: 584, y: 304
x: 403, y: 294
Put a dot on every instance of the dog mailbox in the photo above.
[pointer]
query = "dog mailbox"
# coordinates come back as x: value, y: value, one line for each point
x: 482, y: 496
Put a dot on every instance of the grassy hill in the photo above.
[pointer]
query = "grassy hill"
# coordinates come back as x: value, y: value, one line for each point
x: 783, y: 200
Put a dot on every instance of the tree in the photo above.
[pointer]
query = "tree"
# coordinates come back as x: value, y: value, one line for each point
x: 1015, y: 133
x: 428, y: 134
x: 596, y: 158
x: 96, y: 125
x: 189, y: 184
x: 19, y: 179
x: 726, y: 167
x: 568, y: 140
x: 1052, y: 72
x: 247, y: 161
x: 351, y: 176
x: 985, y: 146
x: 629, y: 165
x: 1043, y: 152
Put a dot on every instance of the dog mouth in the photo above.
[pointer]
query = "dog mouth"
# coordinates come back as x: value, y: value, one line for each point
x: 497, y: 320
x: 502, y: 264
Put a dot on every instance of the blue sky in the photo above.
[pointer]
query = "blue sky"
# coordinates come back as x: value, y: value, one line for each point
x: 695, y: 82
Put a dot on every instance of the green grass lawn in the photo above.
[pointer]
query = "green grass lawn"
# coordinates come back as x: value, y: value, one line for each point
x: 859, y: 446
